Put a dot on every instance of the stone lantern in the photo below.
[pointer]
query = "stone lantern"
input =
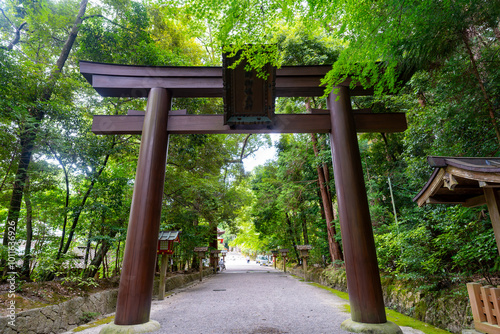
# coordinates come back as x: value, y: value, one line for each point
x: 201, y: 255
x: 304, y: 254
x: 165, y: 248
x: 224, y: 253
x: 284, y: 253
x: 215, y: 253
x: 275, y: 256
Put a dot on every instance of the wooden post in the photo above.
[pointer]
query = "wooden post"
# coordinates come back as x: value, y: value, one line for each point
x: 476, y: 304
x: 304, y: 266
x: 163, y: 272
x: 492, y: 202
x: 136, y: 282
x: 201, y: 269
x: 488, y: 306
x: 213, y: 262
x: 284, y: 264
x: 363, y: 277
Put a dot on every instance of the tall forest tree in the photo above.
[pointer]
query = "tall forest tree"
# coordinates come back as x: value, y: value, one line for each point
x: 37, y: 99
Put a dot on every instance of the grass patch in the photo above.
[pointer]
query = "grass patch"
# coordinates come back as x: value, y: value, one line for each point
x: 343, y: 295
x: 396, y: 317
x: 404, y: 320
x: 346, y: 308
x: 300, y: 278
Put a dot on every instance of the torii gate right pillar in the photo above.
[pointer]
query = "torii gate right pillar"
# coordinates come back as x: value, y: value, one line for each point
x: 363, y: 277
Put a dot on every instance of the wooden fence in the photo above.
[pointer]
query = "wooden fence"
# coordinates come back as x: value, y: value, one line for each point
x: 485, y: 305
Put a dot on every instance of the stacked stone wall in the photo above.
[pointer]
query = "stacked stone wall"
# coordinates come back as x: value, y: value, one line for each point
x: 77, y: 311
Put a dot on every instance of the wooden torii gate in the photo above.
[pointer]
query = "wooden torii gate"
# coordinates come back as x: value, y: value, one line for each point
x: 160, y: 85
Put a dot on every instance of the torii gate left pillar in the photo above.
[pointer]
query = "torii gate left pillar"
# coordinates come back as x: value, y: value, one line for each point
x: 136, y: 288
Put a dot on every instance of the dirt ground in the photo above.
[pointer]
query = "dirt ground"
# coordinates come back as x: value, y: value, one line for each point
x: 40, y: 294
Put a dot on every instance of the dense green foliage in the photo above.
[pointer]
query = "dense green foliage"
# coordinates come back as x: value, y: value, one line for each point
x: 439, y: 60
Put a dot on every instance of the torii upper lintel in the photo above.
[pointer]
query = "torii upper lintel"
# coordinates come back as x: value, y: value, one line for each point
x: 112, y: 80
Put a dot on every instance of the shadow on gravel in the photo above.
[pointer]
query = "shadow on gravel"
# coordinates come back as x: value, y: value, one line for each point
x: 267, y: 330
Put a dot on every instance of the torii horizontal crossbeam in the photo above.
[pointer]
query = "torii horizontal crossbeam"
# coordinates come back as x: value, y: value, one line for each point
x: 284, y: 123
x: 197, y: 81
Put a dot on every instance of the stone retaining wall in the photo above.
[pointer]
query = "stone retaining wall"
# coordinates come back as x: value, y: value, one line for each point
x: 77, y: 311
x: 178, y: 281
x: 61, y: 317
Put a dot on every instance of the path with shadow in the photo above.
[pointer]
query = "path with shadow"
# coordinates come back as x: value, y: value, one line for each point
x: 249, y: 299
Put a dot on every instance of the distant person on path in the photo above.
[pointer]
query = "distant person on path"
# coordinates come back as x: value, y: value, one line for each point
x: 248, y: 259
x: 222, y: 266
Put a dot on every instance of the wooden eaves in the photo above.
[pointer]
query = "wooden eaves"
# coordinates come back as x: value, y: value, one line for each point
x: 458, y: 180
x: 169, y: 236
x: 467, y: 181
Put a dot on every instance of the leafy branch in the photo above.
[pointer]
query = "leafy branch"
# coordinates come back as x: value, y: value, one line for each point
x: 17, y: 35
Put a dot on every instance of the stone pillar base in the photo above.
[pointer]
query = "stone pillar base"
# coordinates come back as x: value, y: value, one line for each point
x: 151, y: 326
x: 360, y: 327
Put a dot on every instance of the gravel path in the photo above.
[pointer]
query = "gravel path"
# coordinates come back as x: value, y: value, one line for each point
x: 251, y: 299
x: 248, y: 299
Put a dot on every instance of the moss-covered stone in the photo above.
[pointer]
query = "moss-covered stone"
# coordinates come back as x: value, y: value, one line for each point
x: 357, y: 327
x: 148, y: 327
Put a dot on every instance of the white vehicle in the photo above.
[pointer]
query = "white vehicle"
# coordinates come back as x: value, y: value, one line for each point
x: 263, y: 260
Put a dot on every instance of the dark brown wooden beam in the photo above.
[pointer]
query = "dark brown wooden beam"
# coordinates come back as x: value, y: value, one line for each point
x: 386, y: 122
x: 88, y: 68
x: 326, y: 111
x: 432, y: 200
x: 142, y: 112
x: 126, y: 86
x: 484, y: 184
x: 136, y: 281
x: 213, y: 124
x: 363, y: 277
x: 136, y: 81
x: 475, y: 201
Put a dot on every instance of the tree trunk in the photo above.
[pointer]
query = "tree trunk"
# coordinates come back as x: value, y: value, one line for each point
x: 304, y: 230
x: 486, y: 96
x: 99, y: 257
x: 29, y: 233
x: 29, y: 133
x: 13, y: 158
x: 292, y: 236
x: 326, y: 198
x: 105, y: 266
x: 87, y: 248
x: 117, y: 262
x: 28, y: 136
x: 333, y: 245
x: 497, y: 33
x: 79, y: 210
x: 66, y: 203
x: 195, y: 264
x: 212, y: 243
x: 389, y: 156
x: 326, y: 173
